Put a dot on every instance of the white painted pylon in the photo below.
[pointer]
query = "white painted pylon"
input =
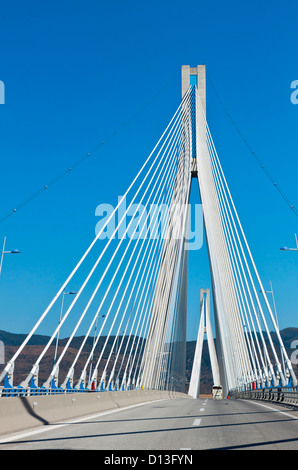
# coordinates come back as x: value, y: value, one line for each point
x: 205, y: 327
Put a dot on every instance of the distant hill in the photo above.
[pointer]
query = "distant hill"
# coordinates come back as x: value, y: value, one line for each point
x: 36, y: 344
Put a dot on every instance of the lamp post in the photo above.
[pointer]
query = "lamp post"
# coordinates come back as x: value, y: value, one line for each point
x: 12, y: 252
x: 271, y: 292
x: 60, y: 316
x: 90, y: 370
x: 117, y: 342
x: 285, y: 248
x: 274, y: 306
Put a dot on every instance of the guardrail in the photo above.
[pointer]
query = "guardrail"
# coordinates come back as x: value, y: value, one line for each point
x: 38, y: 391
x: 284, y: 395
x: 42, y: 391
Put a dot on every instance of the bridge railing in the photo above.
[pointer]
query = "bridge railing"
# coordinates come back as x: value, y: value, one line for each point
x: 30, y: 392
x: 283, y: 395
x: 39, y: 391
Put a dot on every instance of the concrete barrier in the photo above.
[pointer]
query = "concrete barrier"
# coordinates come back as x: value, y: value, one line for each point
x: 19, y: 413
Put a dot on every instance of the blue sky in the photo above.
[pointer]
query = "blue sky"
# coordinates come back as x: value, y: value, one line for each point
x: 75, y: 72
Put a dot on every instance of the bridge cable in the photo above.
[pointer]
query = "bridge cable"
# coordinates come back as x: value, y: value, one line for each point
x: 222, y: 179
x: 253, y: 153
x: 87, y: 156
x: 11, y: 362
x: 228, y: 230
x: 168, y: 160
x: 215, y: 157
x: 158, y: 332
x: 95, y: 265
x: 110, y: 262
x: 78, y: 265
x: 115, y: 339
x: 120, y: 326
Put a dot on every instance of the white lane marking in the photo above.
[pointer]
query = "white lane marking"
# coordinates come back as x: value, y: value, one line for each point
x: 277, y: 411
x: 51, y: 427
x: 196, y: 422
x: 202, y: 409
x: 185, y: 448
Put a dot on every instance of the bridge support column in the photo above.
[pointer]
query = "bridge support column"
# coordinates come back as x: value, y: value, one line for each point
x: 205, y: 327
x: 194, y: 76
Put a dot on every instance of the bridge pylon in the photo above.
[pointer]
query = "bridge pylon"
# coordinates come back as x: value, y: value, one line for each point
x: 137, y: 281
x: 204, y: 328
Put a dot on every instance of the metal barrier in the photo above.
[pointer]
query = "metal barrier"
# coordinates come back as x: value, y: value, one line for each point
x: 284, y: 395
x: 39, y: 391
x: 6, y: 392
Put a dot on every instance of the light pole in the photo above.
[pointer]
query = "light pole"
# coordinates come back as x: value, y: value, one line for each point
x: 12, y: 252
x: 60, y: 316
x: 274, y: 306
x: 285, y: 248
x: 117, y: 342
x: 90, y: 370
x: 271, y: 292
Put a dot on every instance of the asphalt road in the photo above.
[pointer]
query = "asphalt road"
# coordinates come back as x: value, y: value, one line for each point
x: 175, y: 425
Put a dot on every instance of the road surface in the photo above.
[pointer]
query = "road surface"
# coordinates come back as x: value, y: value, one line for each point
x: 174, y: 425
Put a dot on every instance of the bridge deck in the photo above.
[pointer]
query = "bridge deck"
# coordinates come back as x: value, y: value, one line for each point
x: 174, y: 425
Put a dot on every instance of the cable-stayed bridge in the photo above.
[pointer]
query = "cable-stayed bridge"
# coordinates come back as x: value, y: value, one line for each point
x: 133, y: 283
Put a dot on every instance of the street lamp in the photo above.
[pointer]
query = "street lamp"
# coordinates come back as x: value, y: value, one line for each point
x: 285, y: 248
x: 60, y: 316
x: 117, y: 342
x: 100, y: 316
x: 271, y: 292
x: 12, y: 252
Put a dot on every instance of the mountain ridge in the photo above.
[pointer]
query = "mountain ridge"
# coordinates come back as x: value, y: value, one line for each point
x: 37, y: 342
